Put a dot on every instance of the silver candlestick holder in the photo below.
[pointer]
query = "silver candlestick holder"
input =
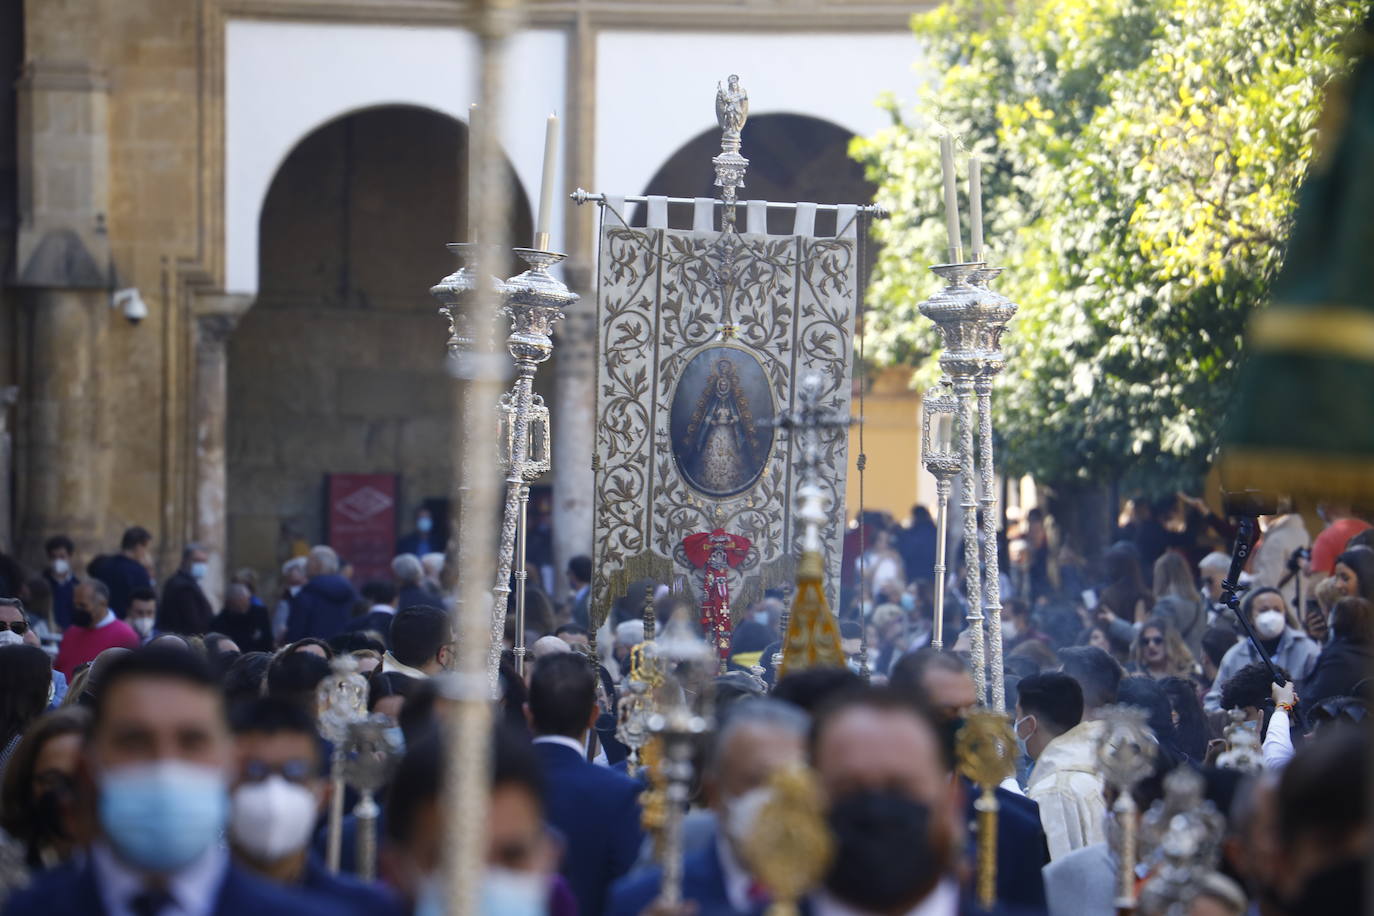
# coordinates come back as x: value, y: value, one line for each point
x: 971, y: 319
x: 940, y: 455
x: 994, y: 311
x: 534, y: 301
x: 952, y: 310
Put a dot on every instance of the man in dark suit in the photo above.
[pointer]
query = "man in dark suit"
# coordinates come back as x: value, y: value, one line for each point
x: 323, y: 607
x: 184, y: 609
x: 595, y: 808
x: 410, y: 578
x: 422, y: 540
x: 942, y: 681
x: 580, y: 584
x: 381, y: 598
x: 127, y: 570
x: 156, y: 755
x: 756, y: 738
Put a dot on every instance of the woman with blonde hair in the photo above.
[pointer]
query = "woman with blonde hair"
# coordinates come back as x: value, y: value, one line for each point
x: 1177, y: 597
x: 1159, y: 652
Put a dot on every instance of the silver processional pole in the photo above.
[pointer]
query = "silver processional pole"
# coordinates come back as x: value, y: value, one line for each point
x: 941, y: 459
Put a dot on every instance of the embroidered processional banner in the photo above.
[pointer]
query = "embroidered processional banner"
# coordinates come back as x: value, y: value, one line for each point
x: 703, y: 339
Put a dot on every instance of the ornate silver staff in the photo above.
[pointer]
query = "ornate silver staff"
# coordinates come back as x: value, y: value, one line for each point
x: 537, y: 463
x: 687, y: 663
x: 994, y: 311
x: 938, y: 454
x: 1125, y: 755
x: 341, y: 699
x: 367, y: 767
x: 534, y: 302
x: 954, y: 311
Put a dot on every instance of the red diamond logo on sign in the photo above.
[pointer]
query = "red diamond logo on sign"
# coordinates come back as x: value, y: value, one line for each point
x: 363, y: 504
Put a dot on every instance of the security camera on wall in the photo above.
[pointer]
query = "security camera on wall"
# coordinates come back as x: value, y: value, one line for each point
x: 131, y: 304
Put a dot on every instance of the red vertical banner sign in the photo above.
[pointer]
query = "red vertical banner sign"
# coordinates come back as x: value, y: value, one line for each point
x: 362, y: 522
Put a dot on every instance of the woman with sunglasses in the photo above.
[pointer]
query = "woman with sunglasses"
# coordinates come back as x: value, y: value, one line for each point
x: 1159, y: 652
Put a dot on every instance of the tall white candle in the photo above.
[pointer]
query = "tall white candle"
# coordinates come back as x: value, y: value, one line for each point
x: 951, y: 199
x: 975, y: 207
x: 474, y: 170
x: 541, y: 231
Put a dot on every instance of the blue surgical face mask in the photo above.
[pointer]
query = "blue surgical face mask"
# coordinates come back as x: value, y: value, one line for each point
x: 424, y: 524
x: 396, y: 740
x: 199, y: 570
x: 908, y: 601
x: 504, y: 893
x: 1020, y: 742
x: 162, y: 816
x: 514, y: 893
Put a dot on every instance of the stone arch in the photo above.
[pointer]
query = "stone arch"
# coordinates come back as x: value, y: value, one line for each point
x: 339, y: 366
x: 792, y: 157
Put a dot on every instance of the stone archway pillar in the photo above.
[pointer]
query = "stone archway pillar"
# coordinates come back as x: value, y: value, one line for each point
x: 573, y: 415
x: 216, y: 316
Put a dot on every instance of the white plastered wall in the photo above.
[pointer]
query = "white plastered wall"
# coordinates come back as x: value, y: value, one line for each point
x: 656, y: 91
x: 285, y: 79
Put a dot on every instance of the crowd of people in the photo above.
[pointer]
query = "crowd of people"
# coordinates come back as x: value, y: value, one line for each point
x: 159, y: 758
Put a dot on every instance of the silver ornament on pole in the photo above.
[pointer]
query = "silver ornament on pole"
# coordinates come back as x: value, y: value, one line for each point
x: 940, y: 455
x: 952, y: 310
x: 537, y: 463
x: 341, y: 700
x: 369, y: 761
x: 684, y: 713
x: 994, y: 311
x: 534, y: 301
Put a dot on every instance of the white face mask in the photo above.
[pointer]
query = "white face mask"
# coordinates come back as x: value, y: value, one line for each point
x: 1009, y: 629
x: 199, y: 570
x: 61, y: 567
x: 1269, y: 624
x: 741, y: 813
x: 273, y: 818
x: 142, y: 625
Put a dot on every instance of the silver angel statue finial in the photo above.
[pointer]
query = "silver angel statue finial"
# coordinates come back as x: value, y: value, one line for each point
x: 732, y: 107
x: 732, y: 110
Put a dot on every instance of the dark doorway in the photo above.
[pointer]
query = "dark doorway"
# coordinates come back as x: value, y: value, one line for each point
x: 791, y: 158
x: 339, y: 366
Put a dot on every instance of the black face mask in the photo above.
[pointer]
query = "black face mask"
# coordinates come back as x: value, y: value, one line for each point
x: 886, y: 857
x: 82, y: 618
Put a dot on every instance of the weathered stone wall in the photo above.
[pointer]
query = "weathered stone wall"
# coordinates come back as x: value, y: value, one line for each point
x: 109, y: 118
x: 339, y: 365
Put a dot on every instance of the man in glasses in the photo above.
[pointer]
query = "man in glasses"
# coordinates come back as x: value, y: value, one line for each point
x: 276, y: 800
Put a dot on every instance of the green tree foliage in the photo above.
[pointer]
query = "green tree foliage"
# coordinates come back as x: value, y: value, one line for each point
x: 1142, y: 158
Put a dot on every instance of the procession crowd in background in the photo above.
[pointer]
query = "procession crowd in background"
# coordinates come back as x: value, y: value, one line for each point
x: 163, y: 757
